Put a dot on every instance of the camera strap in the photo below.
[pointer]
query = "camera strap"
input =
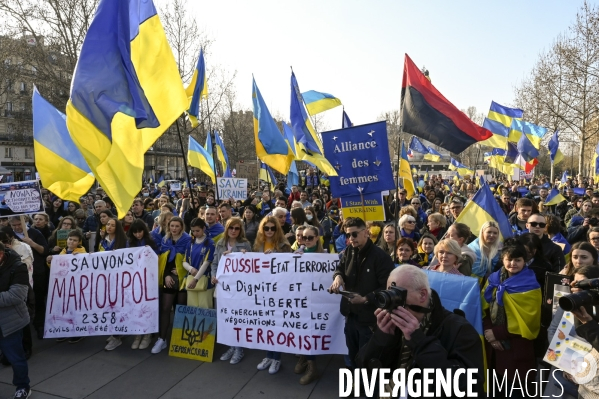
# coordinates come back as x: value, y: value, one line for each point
x: 419, y: 309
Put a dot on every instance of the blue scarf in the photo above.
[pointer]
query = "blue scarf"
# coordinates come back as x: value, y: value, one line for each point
x: 410, y: 235
x: 521, y: 282
x: 175, y: 248
x: 106, y: 246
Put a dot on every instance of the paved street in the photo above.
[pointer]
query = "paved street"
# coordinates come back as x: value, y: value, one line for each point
x: 85, y: 370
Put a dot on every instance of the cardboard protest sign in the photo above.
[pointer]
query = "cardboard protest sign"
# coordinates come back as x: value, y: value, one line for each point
x: 20, y: 198
x: 194, y: 333
x: 104, y: 293
x: 61, y: 238
x: 372, y: 209
x: 279, y: 302
x: 230, y: 187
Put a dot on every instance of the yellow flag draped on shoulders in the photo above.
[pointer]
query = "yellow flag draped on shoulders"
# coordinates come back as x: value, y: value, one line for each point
x: 406, y: 173
x: 520, y: 297
x: 126, y: 91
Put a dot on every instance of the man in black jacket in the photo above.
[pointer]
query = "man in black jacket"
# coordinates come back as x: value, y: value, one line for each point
x: 552, y: 252
x: 362, y: 270
x: 140, y: 213
x: 422, y: 334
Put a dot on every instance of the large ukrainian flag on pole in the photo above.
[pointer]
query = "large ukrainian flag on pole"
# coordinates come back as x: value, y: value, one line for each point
x: 198, y: 157
x: 483, y: 208
x: 58, y: 161
x: 197, y: 89
x: 406, y: 174
x: 499, y: 122
x: 271, y: 146
x: 126, y: 91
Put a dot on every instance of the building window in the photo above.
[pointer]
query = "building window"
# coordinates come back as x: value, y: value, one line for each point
x: 7, y: 152
x: 9, y: 85
x: 23, y: 87
x: 9, y: 106
x: 28, y: 153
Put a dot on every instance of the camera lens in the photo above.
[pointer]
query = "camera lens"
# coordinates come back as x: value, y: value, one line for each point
x: 576, y: 300
x: 383, y: 300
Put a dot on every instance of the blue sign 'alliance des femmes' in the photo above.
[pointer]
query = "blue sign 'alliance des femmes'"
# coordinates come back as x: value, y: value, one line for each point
x: 361, y: 156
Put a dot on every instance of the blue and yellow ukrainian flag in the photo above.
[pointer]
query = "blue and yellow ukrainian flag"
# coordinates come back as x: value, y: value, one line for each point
x: 526, y: 148
x: 59, y: 162
x: 317, y: 102
x: 554, y: 152
x: 267, y: 175
x: 433, y: 155
x: 197, y: 89
x: 198, y: 157
x: 406, y: 174
x: 483, y: 208
x: 221, y: 154
x: 161, y: 182
x: 309, y: 147
x: 293, y: 175
x: 271, y: 146
x: 126, y: 91
x: 499, y: 121
x: 417, y: 146
x: 533, y: 132
x: 554, y: 198
x: 461, y: 168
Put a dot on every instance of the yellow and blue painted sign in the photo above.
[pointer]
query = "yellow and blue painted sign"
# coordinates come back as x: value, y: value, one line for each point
x: 194, y: 333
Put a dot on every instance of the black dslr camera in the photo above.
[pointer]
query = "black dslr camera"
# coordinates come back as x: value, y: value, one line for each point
x: 587, y: 298
x: 391, y: 298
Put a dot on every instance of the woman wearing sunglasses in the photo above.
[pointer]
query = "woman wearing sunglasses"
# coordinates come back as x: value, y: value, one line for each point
x: 407, y: 226
x: 233, y: 240
x: 271, y: 239
x: 306, y: 363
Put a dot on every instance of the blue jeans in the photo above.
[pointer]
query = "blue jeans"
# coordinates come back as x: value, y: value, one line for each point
x: 12, y: 348
x: 273, y: 355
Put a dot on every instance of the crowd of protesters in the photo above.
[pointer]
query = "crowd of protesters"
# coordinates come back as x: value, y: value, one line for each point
x: 192, y: 229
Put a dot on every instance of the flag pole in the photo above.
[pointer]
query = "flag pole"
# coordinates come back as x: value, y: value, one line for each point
x: 396, y: 216
x: 184, y: 158
x: 214, y: 154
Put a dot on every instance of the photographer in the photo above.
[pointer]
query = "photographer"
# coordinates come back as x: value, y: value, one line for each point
x: 586, y: 327
x: 580, y: 224
x: 419, y: 333
x: 362, y: 270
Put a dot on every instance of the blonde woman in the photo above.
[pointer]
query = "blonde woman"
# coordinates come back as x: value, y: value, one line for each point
x: 436, y: 225
x: 233, y: 240
x: 486, y: 247
x: 161, y: 228
x: 448, y: 252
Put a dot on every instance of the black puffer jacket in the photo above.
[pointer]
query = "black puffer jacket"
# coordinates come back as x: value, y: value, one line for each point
x: 450, y: 343
x: 365, y: 272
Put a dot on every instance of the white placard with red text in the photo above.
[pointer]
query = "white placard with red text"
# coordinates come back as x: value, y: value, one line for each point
x: 279, y: 302
x: 103, y: 293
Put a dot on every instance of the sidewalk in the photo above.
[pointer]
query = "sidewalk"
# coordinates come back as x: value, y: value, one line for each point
x: 85, y: 370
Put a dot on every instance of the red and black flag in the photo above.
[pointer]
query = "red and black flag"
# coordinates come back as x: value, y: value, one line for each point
x: 425, y: 113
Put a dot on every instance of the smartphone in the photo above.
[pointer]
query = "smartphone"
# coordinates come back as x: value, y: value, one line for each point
x: 347, y: 294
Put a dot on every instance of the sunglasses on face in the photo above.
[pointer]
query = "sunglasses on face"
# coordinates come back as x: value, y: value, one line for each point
x: 270, y: 228
x: 354, y: 234
x: 410, y: 221
x: 537, y: 224
x: 235, y: 228
x: 308, y: 238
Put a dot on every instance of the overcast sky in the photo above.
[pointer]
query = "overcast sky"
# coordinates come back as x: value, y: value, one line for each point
x: 476, y: 51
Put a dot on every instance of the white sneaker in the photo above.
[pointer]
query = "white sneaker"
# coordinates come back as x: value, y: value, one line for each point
x: 228, y: 354
x: 113, y: 344
x: 136, y: 342
x: 237, y: 356
x: 159, y: 346
x: 264, y: 363
x: 275, y: 365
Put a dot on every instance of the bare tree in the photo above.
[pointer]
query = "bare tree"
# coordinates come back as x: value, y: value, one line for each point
x: 54, y: 31
x: 394, y: 134
x: 562, y: 91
